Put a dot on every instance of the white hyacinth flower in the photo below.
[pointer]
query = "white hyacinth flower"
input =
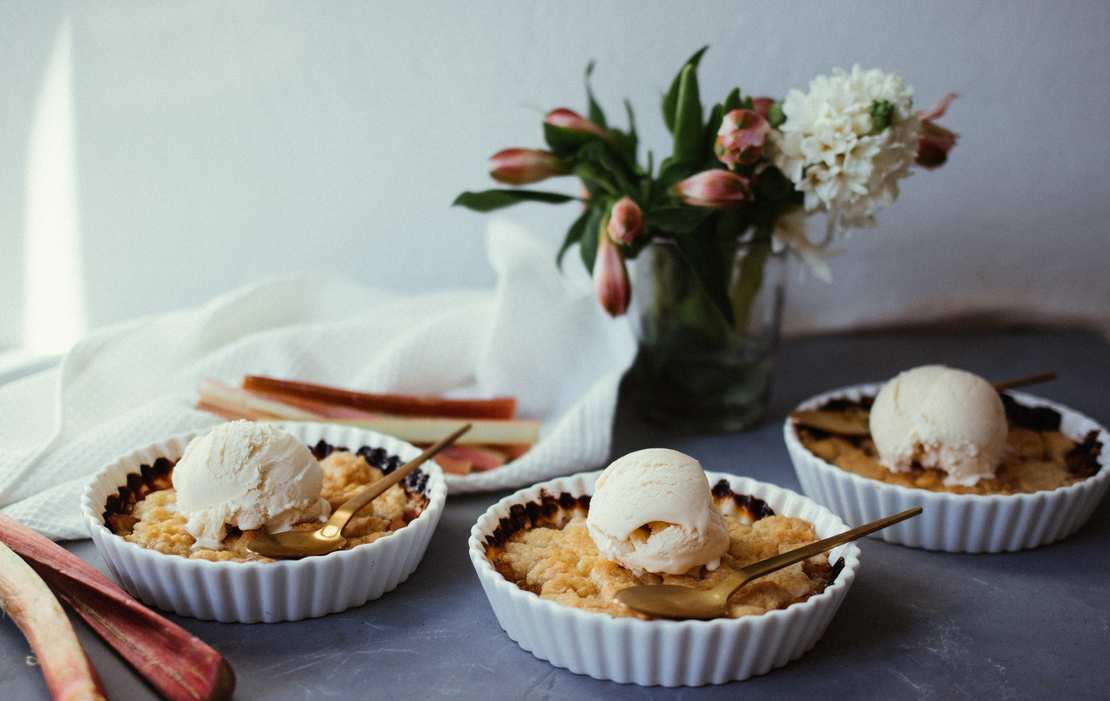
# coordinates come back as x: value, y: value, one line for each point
x: 829, y: 151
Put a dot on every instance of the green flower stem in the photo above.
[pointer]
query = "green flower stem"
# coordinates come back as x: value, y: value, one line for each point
x: 743, y: 293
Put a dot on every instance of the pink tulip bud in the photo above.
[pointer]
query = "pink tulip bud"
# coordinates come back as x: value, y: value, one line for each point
x: 717, y: 189
x: 935, y: 141
x: 611, y: 277
x: 572, y: 121
x: 520, y: 166
x: 740, y: 138
x: 763, y: 105
x: 626, y: 222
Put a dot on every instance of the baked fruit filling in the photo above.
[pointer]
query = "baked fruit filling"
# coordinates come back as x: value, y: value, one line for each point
x: 544, y: 547
x: 144, y: 512
x: 1038, y: 456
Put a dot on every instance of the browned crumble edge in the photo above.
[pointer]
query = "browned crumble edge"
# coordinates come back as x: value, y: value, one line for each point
x: 555, y: 511
x: 1081, y: 461
x: 118, y: 507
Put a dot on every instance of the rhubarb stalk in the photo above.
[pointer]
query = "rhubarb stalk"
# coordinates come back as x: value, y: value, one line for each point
x: 179, y: 666
x: 399, y: 404
x: 234, y: 400
x: 28, y: 602
x: 426, y: 430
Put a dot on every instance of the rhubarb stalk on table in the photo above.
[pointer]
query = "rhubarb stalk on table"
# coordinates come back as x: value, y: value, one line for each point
x: 397, y: 404
x: 179, y: 666
x: 27, y: 600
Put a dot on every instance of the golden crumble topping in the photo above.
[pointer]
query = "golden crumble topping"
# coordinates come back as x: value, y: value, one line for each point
x: 559, y: 562
x: 1036, y: 460
x: 155, y: 523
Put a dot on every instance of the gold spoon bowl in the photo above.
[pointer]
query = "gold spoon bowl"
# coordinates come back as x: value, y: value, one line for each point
x: 673, y: 601
x: 329, y: 537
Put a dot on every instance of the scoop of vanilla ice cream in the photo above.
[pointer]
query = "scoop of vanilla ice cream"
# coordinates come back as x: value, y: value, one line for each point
x: 249, y: 475
x: 652, y: 511
x: 941, y: 418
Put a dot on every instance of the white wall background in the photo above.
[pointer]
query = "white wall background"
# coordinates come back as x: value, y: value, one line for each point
x: 154, y: 154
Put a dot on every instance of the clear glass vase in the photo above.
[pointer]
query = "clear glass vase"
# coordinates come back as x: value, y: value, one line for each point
x: 696, y: 372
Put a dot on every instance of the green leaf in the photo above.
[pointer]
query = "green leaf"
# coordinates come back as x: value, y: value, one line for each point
x: 733, y: 101
x: 714, y: 125
x: 574, y: 235
x: 597, y: 160
x: 670, y: 99
x: 596, y: 115
x: 626, y: 143
x: 587, y: 245
x: 710, y: 271
x: 594, y: 175
x: 681, y: 220
x: 689, y: 144
x: 489, y: 200
x: 772, y: 185
x: 776, y: 116
x: 671, y: 172
x: 565, y: 143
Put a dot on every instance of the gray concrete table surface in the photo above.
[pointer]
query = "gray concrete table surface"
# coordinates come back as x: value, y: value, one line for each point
x: 916, y: 624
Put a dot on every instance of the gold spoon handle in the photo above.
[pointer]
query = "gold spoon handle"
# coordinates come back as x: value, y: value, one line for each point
x: 367, y: 494
x: 1027, y: 380
x: 771, y: 564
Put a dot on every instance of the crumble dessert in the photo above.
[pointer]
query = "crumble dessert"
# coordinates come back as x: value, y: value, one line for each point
x: 1036, y: 455
x: 145, y: 511
x: 545, y: 547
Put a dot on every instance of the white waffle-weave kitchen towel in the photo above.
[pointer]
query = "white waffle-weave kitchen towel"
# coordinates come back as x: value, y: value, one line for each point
x: 539, y: 336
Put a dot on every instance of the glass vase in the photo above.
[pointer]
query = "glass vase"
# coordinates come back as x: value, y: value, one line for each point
x: 695, y: 371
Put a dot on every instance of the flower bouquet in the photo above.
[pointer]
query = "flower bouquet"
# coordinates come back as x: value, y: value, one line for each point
x: 713, y: 223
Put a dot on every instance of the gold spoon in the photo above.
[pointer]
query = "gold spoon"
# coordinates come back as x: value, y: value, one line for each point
x: 330, y: 536
x: 673, y: 601
x: 855, y: 422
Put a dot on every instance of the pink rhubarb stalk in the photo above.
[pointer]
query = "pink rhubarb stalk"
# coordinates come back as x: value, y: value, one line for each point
x: 479, y: 458
x: 226, y: 400
x: 179, y: 666
x: 31, y: 606
x: 394, y: 404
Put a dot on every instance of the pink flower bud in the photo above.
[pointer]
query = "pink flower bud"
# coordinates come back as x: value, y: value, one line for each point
x: 740, y: 138
x: 520, y: 166
x: 717, y: 189
x: 763, y: 105
x: 572, y: 121
x: 611, y: 277
x: 626, y: 222
x: 935, y: 141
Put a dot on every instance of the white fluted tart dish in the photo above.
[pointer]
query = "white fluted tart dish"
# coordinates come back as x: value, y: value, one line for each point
x: 129, y: 510
x: 561, y: 610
